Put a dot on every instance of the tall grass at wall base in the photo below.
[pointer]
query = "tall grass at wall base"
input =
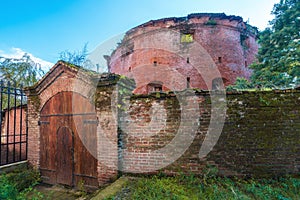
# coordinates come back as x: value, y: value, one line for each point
x: 191, y: 187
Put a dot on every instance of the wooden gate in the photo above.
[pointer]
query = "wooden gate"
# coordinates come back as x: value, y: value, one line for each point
x: 68, y: 143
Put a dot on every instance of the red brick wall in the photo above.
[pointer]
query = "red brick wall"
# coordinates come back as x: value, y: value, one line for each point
x: 215, y: 46
x: 260, y: 136
x: 165, y: 132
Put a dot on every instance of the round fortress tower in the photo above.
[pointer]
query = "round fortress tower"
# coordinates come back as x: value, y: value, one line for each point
x: 176, y: 53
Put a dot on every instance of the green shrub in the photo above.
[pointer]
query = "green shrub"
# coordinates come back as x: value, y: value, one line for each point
x: 23, y: 179
x: 211, y: 22
x: 7, y: 190
x: 19, y: 184
x: 240, y: 84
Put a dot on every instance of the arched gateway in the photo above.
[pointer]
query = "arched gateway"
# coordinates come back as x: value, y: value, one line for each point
x: 68, y: 123
x: 67, y: 129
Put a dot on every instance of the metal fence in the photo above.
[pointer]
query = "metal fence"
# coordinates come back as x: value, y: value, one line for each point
x: 13, y: 121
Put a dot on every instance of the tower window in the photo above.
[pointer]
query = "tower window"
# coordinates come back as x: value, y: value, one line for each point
x: 188, y: 82
x: 220, y: 59
x: 187, y: 60
x: 186, y: 38
x: 155, y: 63
x: 157, y: 88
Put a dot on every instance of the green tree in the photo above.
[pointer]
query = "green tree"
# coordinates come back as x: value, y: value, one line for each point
x: 20, y: 73
x: 78, y: 58
x: 279, y: 54
x: 23, y: 71
x: 240, y: 84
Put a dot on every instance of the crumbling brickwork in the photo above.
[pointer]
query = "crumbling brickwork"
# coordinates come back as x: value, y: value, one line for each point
x: 193, y: 51
x: 71, y: 108
x: 260, y: 136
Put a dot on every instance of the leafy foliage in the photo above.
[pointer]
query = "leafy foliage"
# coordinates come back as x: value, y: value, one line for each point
x: 211, y: 22
x: 19, y: 184
x: 22, y: 179
x: 7, y: 190
x: 279, y: 54
x: 78, y: 58
x: 11, y: 95
x: 20, y: 71
x: 240, y: 84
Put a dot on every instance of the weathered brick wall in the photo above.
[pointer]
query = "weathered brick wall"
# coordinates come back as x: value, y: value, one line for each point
x: 260, y: 137
x: 107, y: 138
x: 165, y: 132
x: 224, y: 42
x: 33, y: 139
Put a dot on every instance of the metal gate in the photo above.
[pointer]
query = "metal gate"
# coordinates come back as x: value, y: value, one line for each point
x: 13, y: 120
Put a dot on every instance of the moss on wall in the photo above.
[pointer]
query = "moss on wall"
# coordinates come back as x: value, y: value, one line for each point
x: 260, y: 137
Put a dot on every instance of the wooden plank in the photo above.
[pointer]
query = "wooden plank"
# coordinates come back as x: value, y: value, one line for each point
x: 64, y: 156
x: 85, y: 148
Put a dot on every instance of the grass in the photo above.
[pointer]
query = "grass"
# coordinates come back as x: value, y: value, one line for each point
x: 191, y: 187
x: 18, y: 184
x: 24, y: 183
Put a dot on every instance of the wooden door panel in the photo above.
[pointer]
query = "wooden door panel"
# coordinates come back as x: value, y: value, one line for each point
x: 47, y: 150
x: 64, y: 156
x: 85, y: 154
x: 69, y: 125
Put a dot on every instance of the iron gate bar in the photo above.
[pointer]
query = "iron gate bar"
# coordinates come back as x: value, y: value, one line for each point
x: 21, y: 121
x: 13, y: 143
x: 15, y: 113
x: 9, y: 138
x: 26, y: 129
x: 7, y: 129
x: 1, y: 100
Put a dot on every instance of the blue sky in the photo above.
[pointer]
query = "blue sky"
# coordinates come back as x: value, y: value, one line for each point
x: 46, y: 28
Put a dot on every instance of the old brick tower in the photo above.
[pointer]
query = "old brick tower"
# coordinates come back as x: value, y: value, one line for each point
x: 206, y: 51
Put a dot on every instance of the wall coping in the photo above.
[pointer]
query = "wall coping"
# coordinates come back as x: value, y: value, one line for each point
x: 190, y: 92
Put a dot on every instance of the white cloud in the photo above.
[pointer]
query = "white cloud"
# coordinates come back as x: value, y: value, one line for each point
x: 18, y: 53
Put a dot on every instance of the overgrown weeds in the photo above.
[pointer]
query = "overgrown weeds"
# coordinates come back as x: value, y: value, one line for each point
x: 212, y: 187
x: 18, y: 184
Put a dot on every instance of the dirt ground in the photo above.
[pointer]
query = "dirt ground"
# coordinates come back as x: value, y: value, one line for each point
x: 58, y: 192
x: 61, y: 193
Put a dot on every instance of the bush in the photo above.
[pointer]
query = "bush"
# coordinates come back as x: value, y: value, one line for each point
x: 7, y: 190
x: 23, y: 179
x: 18, y: 184
x: 211, y: 22
x: 240, y: 84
